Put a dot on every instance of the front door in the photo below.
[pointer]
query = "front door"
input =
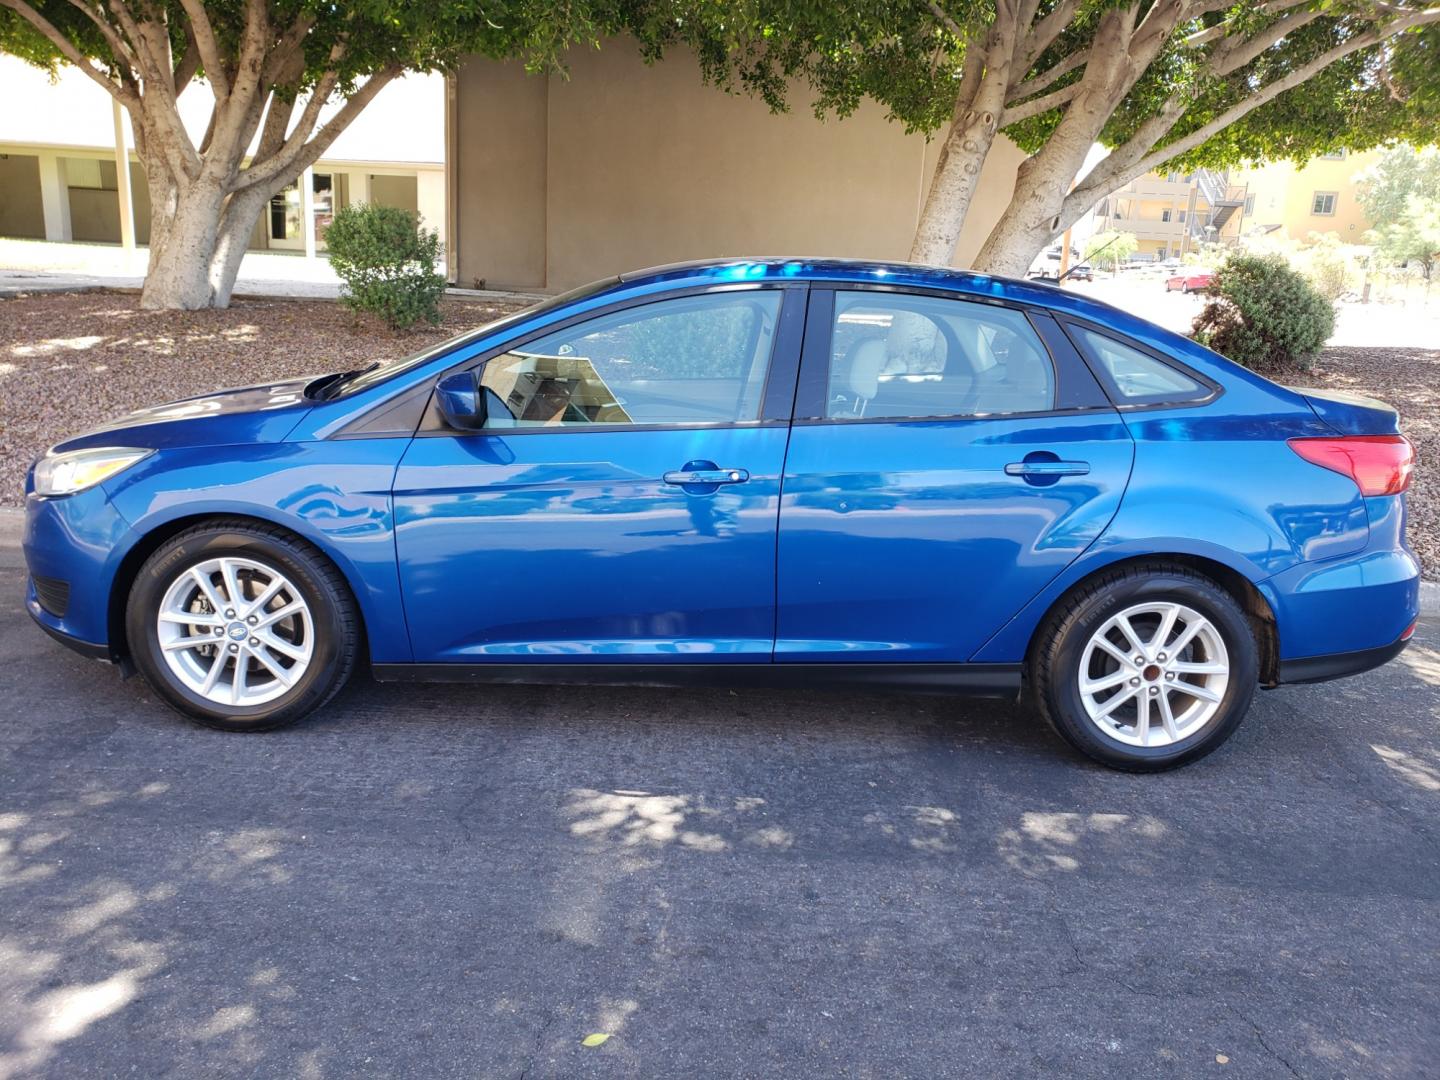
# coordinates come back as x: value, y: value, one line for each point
x: 620, y: 504
x: 949, y: 458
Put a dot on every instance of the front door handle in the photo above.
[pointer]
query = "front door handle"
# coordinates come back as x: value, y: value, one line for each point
x: 1047, y: 468
x: 686, y: 477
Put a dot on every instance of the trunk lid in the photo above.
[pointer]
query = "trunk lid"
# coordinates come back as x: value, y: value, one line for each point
x: 1351, y: 414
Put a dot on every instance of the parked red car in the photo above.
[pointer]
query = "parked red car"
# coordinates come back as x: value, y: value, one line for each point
x: 1193, y: 281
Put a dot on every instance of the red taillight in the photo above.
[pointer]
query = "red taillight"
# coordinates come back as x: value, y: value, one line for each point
x: 1379, y: 464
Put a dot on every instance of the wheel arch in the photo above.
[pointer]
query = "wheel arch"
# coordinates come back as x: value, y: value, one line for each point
x: 153, y: 539
x: 1240, y: 588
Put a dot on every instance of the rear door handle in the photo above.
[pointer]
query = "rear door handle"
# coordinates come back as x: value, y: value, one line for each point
x: 1047, y: 468
x: 685, y: 477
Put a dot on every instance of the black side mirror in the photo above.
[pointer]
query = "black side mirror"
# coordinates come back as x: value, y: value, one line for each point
x: 460, y: 401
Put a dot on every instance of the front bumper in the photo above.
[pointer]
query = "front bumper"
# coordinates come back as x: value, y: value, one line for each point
x: 78, y: 540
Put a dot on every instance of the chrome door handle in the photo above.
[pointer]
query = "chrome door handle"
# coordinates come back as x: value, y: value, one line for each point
x: 706, y: 476
x: 1047, y: 468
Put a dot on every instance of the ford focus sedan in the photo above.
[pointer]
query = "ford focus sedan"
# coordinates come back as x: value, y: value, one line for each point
x: 774, y: 473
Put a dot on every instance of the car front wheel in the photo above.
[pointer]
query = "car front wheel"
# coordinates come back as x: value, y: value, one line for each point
x: 1146, y: 668
x: 241, y: 626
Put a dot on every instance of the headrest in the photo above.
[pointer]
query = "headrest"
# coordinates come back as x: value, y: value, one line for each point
x: 866, y: 360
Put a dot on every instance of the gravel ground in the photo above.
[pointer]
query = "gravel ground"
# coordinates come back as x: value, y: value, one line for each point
x: 1408, y: 379
x: 70, y: 361
x: 112, y: 357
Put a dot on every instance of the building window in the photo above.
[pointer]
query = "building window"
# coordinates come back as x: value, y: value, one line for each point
x: 1334, y: 155
x: 1323, y: 205
x: 1249, y: 205
x: 1164, y: 215
x: 1182, y: 215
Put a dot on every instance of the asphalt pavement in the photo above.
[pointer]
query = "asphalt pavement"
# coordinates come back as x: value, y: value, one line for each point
x: 461, y: 881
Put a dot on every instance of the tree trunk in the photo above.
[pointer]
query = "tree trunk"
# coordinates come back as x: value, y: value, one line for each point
x: 236, y: 226
x: 957, y: 175
x: 963, y: 154
x: 179, y: 272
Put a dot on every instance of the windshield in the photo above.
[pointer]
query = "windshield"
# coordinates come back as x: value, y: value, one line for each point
x: 352, y: 382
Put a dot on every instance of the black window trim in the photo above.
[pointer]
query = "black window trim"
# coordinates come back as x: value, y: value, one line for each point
x: 1214, y: 390
x: 776, y: 397
x: 812, y: 386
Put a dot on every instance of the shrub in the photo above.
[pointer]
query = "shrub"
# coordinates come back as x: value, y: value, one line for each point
x: 1264, y: 314
x: 387, y: 262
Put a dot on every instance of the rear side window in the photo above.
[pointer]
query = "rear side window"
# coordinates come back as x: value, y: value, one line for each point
x: 1136, y: 377
x: 895, y: 356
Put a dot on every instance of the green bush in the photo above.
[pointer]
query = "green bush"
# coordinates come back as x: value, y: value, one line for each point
x: 1264, y: 314
x: 387, y: 262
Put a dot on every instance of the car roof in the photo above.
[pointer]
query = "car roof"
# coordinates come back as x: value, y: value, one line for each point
x: 866, y: 271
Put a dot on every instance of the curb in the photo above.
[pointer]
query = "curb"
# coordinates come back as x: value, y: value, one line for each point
x: 12, y: 523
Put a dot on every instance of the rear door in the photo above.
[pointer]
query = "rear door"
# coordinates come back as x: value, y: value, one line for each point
x: 948, y: 458
x: 620, y: 504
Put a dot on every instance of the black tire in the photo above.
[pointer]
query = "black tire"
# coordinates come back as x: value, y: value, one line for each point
x: 337, y: 630
x: 1060, y: 644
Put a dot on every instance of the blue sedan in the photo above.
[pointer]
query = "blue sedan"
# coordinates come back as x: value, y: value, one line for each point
x: 784, y: 473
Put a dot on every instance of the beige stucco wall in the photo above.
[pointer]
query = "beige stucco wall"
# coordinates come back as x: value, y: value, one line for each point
x: 622, y: 166
x: 1285, y: 194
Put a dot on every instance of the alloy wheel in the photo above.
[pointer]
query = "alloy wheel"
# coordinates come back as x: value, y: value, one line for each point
x: 235, y: 631
x: 1154, y: 674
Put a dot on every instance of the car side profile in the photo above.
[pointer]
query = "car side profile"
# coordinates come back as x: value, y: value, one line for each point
x: 1189, y: 281
x: 775, y: 472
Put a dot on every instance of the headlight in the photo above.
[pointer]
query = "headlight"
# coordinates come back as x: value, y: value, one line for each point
x: 76, y: 470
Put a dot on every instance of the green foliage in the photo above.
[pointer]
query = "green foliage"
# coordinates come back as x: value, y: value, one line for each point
x: 1107, y: 250
x: 1330, y: 264
x: 387, y: 261
x: 1264, y: 314
x: 377, y: 33
x: 1401, y: 196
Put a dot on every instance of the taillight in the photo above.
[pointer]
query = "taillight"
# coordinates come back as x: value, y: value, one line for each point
x: 1379, y: 464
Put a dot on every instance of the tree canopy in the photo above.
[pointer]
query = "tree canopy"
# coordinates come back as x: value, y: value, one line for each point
x: 1175, y: 83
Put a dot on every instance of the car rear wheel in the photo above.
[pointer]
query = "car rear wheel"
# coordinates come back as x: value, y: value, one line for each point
x: 1146, y: 668
x: 241, y: 626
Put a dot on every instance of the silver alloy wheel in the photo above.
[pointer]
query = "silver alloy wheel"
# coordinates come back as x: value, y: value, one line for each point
x: 235, y: 631
x: 1154, y: 674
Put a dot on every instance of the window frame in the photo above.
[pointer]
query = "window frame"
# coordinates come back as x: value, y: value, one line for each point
x: 1150, y: 402
x: 776, y: 398
x: 1333, y: 196
x: 1076, y: 390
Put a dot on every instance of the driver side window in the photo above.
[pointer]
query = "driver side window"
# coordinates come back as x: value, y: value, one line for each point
x: 691, y: 360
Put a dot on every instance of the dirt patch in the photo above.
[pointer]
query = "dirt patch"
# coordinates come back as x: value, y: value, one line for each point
x: 71, y: 361
x: 1409, y: 380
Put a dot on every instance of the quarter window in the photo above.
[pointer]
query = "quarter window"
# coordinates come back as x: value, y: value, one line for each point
x: 694, y: 360
x: 1136, y: 376
x: 897, y: 357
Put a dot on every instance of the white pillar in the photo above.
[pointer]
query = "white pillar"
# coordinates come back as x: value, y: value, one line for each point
x: 55, y: 198
x: 359, y: 188
x: 122, y: 180
x: 307, y: 210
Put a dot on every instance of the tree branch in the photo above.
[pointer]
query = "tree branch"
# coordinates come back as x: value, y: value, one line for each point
x: 1128, y: 164
x: 122, y: 51
x: 293, y: 158
x: 1049, y: 76
x: 1043, y: 104
x: 203, y: 33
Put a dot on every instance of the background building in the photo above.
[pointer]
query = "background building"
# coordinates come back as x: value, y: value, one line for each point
x: 1172, y: 213
x: 558, y: 181
x: 1317, y: 197
x: 61, y: 154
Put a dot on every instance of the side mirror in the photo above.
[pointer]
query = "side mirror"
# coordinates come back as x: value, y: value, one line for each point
x: 460, y: 401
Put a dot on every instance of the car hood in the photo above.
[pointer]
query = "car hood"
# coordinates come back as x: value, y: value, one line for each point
x: 264, y: 413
